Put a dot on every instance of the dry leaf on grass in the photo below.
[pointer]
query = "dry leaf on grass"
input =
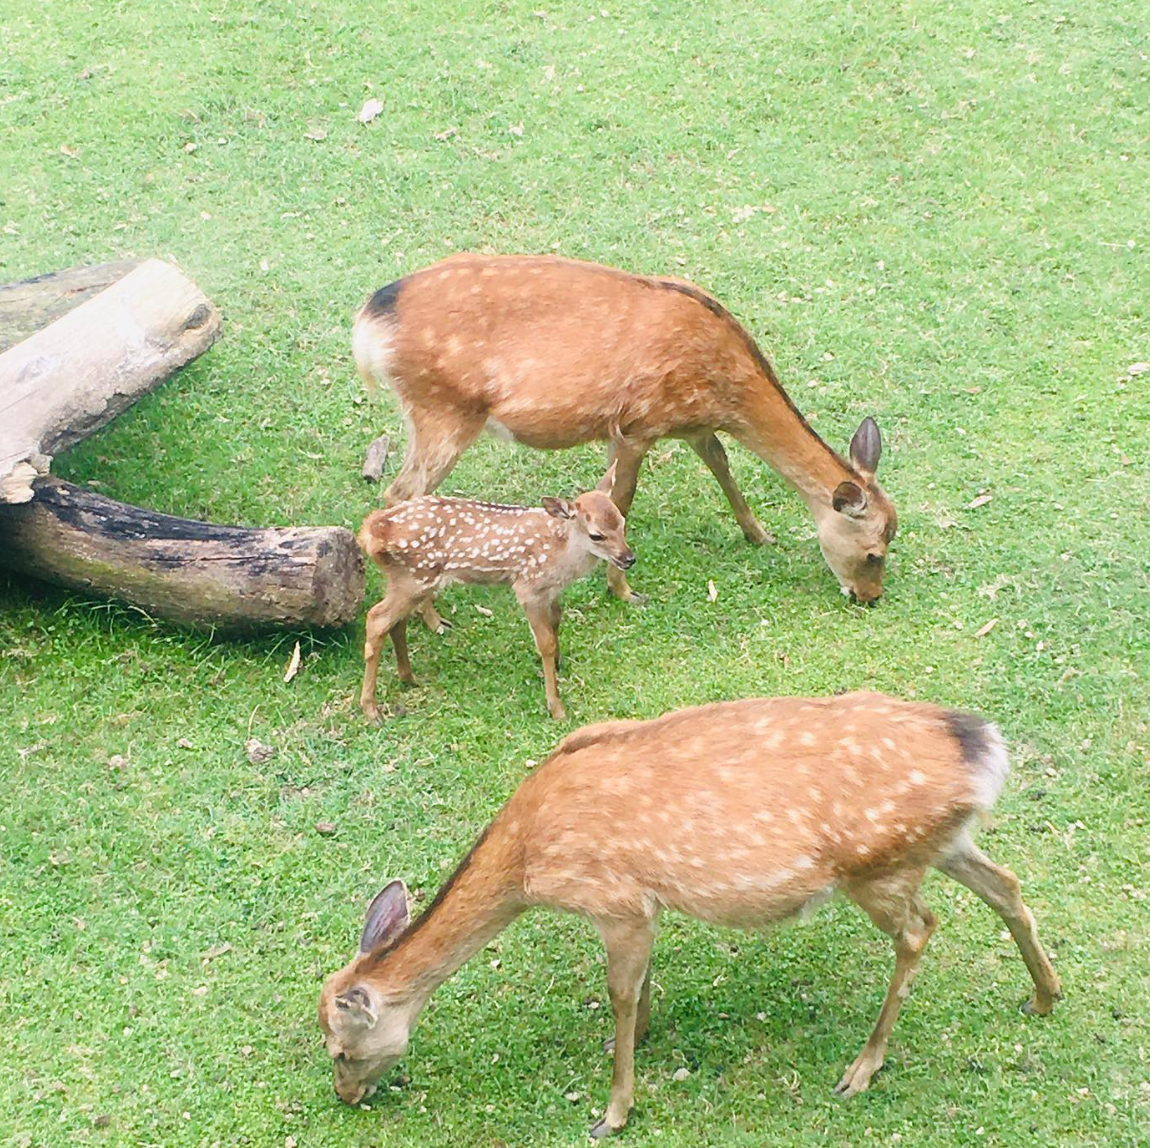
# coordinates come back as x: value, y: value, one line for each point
x: 712, y: 591
x: 1133, y: 369
x: 316, y: 133
x: 446, y: 134
x: 257, y: 751
x: 293, y: 664
x: 324, y: 828
x: 985, y: 629
x: 371, y: 108
x: 981, y: 500
x: 485, y: 611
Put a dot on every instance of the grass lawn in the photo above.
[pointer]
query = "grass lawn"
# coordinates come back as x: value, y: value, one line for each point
x: 932, y: 212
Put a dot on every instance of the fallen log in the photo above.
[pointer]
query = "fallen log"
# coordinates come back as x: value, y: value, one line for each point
x: 194, y: 573
x: 135, y: 326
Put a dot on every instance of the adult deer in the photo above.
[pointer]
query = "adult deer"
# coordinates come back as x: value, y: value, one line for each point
x: 556, y: 352
x: 739, y: 813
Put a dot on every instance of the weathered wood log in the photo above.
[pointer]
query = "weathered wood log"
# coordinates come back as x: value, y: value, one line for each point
x: 220, y: 577
x: 87, y: 365
x: 27, y: 306
x: 376, y: 458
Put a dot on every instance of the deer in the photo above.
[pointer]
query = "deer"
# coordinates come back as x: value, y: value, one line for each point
x: 424, y: 543
x: 740, y: 813
x: 555, y: 352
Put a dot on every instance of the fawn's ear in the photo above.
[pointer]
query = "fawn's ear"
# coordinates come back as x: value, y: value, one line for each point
x: 559, y: 508
x: 850, y: 499
x: 354, y: 1008
x: 387, y: 917
x: 866, y: 446
x: 608, y: 480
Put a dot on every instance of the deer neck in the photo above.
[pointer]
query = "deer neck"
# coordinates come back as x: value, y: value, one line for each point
x: 481, y: 898
x: 777, y: 432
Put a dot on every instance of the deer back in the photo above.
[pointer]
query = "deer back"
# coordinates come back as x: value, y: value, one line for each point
x: 742, y: 812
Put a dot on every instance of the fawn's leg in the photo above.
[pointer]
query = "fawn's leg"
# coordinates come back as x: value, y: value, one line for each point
x: 894, y: 905
x: 628, y: 942
x: 538, y: 613
x: 711, y: 451
x: 385, y: 617
x: 399, y: 642
x: 434, y: 445
x: 999, y: 888
x: 627, y: 457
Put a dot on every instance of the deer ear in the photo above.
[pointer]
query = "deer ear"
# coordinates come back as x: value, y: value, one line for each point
x: 608, y: 480
x: 353, y: 1008
x: 387, y: 917
x: 866, y: 446
x: 559, y: 508
x: 850, y: 499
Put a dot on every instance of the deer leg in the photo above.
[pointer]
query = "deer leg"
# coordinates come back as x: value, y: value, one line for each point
x: 627, y: 457
x: 894, y: 906
x: 432, y: 618
x: 555, y: 616
x: 384, y: 617
x: 434, y: 445
x: 539, y: 618
x: 628, y: 942
x: 642, y: 1014
x: 999, y: 888
x: 399, y: 642
x: 711, y: 451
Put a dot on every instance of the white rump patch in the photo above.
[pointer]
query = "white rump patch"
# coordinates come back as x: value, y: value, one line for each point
x: 991, y: 768
x: 373, y: 345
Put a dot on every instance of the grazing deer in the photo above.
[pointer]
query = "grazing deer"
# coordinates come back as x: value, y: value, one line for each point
x: 427, y: 542
x: 739, y: 813
x: 555, y: 352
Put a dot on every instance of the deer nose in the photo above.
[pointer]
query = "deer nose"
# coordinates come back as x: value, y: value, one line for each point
x: 627, y: 561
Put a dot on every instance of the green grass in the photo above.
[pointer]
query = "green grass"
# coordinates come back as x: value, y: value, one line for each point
x: 951, y: 203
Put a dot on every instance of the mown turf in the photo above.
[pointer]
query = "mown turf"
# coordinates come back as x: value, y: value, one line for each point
x: 931, y: 212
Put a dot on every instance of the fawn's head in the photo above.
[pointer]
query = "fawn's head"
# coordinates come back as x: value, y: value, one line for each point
x: 856, y: 527
x: 596, y: 523
x: 364, y: 1030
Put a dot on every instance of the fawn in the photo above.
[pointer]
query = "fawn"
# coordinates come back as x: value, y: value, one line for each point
x: 555, y: 352
x: 739, y: 813
x: 538, y: 551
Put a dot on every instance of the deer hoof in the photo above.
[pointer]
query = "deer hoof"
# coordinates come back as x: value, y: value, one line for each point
x: 371, y: 713
x: 857, y: 1077
x: 1039, y: 1008
x: 557, y: 712
x: 601, y: 1129
x: 759, y: 537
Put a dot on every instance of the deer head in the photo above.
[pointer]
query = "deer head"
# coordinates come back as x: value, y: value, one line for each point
x: 364, y: 1029
x: 857, y: 524
x: 596, y: 523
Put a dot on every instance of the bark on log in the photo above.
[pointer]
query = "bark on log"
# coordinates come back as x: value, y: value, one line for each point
x: 223, y: 577
x: 77, y: 373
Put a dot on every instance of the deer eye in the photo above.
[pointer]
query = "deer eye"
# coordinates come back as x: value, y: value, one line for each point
x: 595, y: 537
